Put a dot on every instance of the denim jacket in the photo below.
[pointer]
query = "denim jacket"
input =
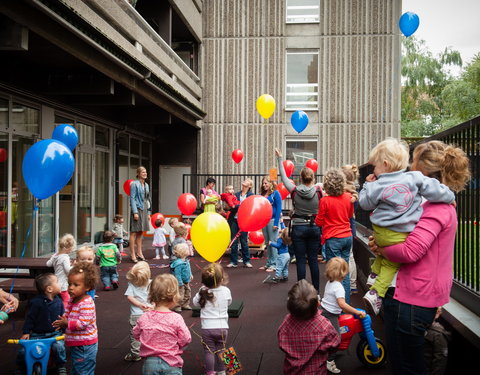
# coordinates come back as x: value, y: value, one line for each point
x: 137, y: 197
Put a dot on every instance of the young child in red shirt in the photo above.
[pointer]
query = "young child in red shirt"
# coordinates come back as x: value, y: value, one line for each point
x: 229, y: 198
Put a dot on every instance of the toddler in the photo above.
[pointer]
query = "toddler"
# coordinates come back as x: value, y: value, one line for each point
x: 230, y: 199
x: 181, y: 234
x: 137, y: 294
x: 109, y: 257
x: 60, y: 262
x: 172, y: 223
x: 333, y: 302
x: 79, y: 320
x: 161, y: 332
x: 43, y: 310
x: 87, y: 254
x: 159, y: 240
x: 395, y: 196
x: 119, y: 232
x: 305, y: 335
x: 214, y: 298
x: 283, y: 259
x: 210, y: 201
x: 181, y: 269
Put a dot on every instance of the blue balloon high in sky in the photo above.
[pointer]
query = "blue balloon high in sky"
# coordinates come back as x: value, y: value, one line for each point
x: 299, y: 121
x: 409, y: 23
x: 67, y: 134
x: 47, y: 167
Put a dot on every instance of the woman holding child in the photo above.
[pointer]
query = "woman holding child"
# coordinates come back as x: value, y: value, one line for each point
x: 425, y: 276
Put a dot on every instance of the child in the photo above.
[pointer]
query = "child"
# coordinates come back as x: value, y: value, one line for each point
x: 305, y: 335
x: 436, y: 346
x: 181, y: 269
x: 159, y: 240
x: 333, y: 302
x: 161, y: 332
x: 230, y: 199
x: 60, y: 262
x: 396, y: 198
x: 213, y: 298
x: 79, y: 320
x: 87, y: 254
x: 119, y: 232
x: 137, y: 294
x: 109, y: 257
x: 172, y: 223
x: 181, y: 234
x: 283, y: 259
x: 210, y: 201
x: 43, y: 310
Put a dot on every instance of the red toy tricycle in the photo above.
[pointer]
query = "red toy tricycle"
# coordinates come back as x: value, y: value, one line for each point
x: 370, y: 350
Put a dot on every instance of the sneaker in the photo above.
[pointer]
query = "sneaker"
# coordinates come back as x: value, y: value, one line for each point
x: 248, y: 265
x: 373, y: 302
x: 332, y: 367
x: 115, y: 284
x: 284, y: 279
x: 177, y: 309
x: 107, y: 288
x: 240, y: 260
x: 62, y: 371
x: 270, y: 269
x: 165, y: 257
x: 293, y: 260
x: 272, y: 280
x: 186, y: 307
x: 132, y: 357
x: 157, y: 257
x: 231, y: 265
x: 371, y: 279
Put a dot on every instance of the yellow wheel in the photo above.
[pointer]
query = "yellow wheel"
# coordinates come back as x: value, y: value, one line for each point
x: 365, y: 355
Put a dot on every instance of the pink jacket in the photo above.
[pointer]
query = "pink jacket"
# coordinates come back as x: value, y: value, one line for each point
x: 425, y: 276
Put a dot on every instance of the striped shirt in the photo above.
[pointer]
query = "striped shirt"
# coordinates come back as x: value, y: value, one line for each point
x: 81, y: 328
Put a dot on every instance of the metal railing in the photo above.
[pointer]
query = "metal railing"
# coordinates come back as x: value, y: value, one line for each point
x: 466, y: 288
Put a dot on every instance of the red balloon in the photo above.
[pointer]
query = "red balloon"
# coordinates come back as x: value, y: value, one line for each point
x: 3, y: 155
x: 237, y: 156
x: 312, y: 164
x: 155, y: 217
x: 289, y: 167
x: 256, y: 237
x: 282, y: 190
x: 254, y: 213
x: 126, y: 186
x: 187, y: 203
x: 189, y: 228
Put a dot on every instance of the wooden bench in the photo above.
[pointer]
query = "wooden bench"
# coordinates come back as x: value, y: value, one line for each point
x: 24, y: 287
x: 11, y: 275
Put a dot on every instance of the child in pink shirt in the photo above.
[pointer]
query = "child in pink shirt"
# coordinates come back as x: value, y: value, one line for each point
x: 162, y: 333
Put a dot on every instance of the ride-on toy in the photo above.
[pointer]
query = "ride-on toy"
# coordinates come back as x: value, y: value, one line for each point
x: 37, y: 353
x: 370, y: 350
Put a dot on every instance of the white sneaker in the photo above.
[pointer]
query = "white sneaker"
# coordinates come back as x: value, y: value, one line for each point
x: 157, y: 257
x: 371, y: 279
x: 248, y: 265
x: 240, y: 260
x: 231, y: 265
x: 332, y: 367
x: 373, y: 302
x: 165, y: 257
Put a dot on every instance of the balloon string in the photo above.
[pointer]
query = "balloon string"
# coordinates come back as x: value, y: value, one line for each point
x: 234, y: 239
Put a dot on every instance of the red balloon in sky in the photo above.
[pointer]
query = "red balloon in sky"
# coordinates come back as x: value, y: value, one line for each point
x: 126, y: 186
x: 3, y: 155
x: 282, y: 190
x: 289, y: 167
x: 256, y: 237
x: 312, y: 164
x: 187, y: 203
x: 237, y: 156
x: 155, y: 217
x: 254, y: 213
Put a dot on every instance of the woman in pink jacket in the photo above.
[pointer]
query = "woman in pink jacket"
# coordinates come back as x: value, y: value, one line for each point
x: 425, y: 277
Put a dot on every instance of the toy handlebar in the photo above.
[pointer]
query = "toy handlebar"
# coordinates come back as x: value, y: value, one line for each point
x: 17, y: 341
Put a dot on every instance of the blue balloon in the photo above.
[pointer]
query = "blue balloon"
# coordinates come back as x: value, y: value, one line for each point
x: 67, y: 134
x: 299, y: 121
x: 47, y: 167
x: 409, y: 23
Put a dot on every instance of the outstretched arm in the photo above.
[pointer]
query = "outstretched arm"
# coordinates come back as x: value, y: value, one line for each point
x: 288, y: 184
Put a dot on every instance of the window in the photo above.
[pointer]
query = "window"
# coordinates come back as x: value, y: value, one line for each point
x: 303, y: 11
x: 299, y: 150
x: 25, y: 119
x: 302, y: 80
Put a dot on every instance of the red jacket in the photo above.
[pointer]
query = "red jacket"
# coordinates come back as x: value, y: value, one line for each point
x: 334, y: 215
x: 230, y: 199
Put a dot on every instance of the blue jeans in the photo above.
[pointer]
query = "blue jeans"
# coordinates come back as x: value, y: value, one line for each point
x: 305, y: 244
x: 58, y: 348
x: 84, y: 359
x: 157, y: 366
x: 108, y: 274
x: 340, y: 247
x: 234, y: 228
x: 283, y: 261
x: 405, y: 327
x: 270, y: 235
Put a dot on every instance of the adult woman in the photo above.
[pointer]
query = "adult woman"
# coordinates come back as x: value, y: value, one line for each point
x: 234, y: 228
x: 141, y: 209
x: 305, y: 234
x: 425, y: 277
x: 270, y: 231
x: 208, y: 196
x: 10, y: 303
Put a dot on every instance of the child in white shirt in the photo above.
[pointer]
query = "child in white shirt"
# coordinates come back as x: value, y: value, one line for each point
x: 159, y: 239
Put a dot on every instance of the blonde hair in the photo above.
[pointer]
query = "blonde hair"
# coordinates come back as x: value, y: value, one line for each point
x: 85, y: 248
x: 181, y: 250
x: 164, y: 289
x: 227, y: 187
x: 180, y: 230
x: 139, y: 275
x: 270, y: 190
x: 448, y: 164
x: 139, y: 170
x: 287, y: 240
x: 307, y: 176
x: 213, y: 275
x: 66, y: 242
x: 250, y: 183
x: 351, y: 173
x: 336, y: 269
x: 391, y: 150
x: 334, y: 182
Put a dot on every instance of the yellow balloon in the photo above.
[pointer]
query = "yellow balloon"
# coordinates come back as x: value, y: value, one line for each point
x: 265, y: 105
x: 210, y: 235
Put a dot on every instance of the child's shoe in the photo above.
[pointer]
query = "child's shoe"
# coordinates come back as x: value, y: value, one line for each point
x: 164, y: 257
x: 373, y: 302
x: 293, y: 260
x: 371, y: 279
x: 186, y: 307
x: 231, y: 265
x: 107, y: 288
x: 332, y: 367
x: 248, y: 265
x: 157, y: 257
x: 132, y: 357
x: 272, y: 280
x: 284, y: 279
x: 270, y: 269
x: 240, y: 260
x: 115, y: 284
